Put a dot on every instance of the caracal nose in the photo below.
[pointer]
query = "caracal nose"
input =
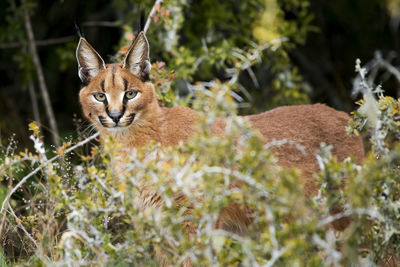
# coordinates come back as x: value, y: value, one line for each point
x: 115, y: 115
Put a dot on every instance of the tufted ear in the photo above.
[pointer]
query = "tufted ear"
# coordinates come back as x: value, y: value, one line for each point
x: 137, y: 58
x: 89, y: 61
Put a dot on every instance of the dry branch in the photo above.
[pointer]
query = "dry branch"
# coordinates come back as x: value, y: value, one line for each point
x: 153, y: 10
x: 40, y: 75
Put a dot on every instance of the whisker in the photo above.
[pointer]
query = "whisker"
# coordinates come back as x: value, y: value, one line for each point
x: 92, y: 129
x: 88, y: 129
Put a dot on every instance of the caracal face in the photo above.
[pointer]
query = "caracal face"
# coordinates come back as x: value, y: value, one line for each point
x: 116, y: 96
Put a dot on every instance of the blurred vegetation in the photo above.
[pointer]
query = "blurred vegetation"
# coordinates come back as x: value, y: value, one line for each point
x: 222, y: 58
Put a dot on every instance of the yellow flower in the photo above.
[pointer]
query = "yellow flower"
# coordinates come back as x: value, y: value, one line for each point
x: 166, y: 166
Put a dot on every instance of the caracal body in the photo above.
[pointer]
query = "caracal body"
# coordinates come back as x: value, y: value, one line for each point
x: 120, y: 101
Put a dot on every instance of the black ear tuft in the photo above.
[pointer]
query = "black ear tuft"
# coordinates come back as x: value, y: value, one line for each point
x: 78, y: 30
x: 142, y: 20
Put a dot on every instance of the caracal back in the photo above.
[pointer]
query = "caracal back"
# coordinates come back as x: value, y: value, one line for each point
x: 308, y: 126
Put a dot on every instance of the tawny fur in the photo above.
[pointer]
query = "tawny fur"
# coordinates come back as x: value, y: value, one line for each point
x: 307, y: 125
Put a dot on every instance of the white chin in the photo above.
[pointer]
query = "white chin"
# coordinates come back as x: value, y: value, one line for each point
x: 117, y: 129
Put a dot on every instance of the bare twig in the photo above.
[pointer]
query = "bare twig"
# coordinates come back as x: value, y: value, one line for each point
x: 18, y: 220
x: 46, y: 42
x: 372, y: 68
x: 373, y: 214
x: 253, y: 77
x: 281, y: 142
x: 7, y: 198
x: 40, y: 75
x: 333, y: 256
x: 276, y: 255
x: 384, y: 63
x: 153, y: 10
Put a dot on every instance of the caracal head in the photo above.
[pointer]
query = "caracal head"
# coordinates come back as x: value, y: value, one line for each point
x: 116, y: 96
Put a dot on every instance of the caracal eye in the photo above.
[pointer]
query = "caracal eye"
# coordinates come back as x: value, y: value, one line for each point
x: 130, y: 94
x: 100, y: 97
